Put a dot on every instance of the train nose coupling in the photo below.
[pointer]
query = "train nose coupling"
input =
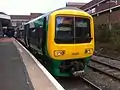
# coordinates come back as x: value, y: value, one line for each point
x: 78, y: 73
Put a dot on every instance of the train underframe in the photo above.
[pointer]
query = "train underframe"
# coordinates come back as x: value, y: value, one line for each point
x: 75, y: 67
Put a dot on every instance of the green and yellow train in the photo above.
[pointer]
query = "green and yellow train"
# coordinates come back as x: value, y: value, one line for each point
x: 64, y: 38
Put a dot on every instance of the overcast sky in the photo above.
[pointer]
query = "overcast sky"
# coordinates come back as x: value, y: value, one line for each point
x: 23, y: 7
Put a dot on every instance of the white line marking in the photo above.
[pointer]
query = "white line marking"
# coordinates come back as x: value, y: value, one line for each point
x: 51, y: 78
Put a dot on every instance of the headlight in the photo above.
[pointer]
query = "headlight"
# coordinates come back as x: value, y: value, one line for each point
x: 88, y: 51
x: 59, y: 53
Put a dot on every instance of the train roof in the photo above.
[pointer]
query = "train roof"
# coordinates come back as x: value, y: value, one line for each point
x: 47, y: 14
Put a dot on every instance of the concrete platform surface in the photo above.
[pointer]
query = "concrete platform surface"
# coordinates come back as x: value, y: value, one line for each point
x: 19, y: 70
x: 13, y: 74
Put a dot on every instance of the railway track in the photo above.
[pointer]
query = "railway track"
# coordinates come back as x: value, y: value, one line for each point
x: 105, y: 68
x: 77, y: 83
x: 106, y: 56
x: 92, y: 84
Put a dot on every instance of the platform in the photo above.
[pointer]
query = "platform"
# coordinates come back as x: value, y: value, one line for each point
x: 20, y: 70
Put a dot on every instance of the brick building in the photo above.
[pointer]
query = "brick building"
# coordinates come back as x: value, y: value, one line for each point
x: 75, y: 4
x: 21, y: 19
x: 103, y: 11
x: 34, y: 15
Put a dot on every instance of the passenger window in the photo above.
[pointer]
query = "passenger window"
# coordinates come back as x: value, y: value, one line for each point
x: 39, y: 23
x: 82, y: 29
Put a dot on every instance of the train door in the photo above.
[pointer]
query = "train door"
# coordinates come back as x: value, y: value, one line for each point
x: 33, y: 37
x: 39, y: 37
x: 42, y: 35
x: 26, y: 34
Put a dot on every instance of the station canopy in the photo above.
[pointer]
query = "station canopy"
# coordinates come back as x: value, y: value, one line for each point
x: 5, y: 20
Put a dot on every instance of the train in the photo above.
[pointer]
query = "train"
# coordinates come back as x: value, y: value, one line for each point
x: 63, y: 38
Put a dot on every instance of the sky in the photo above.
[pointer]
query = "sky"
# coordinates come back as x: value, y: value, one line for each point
x: 25, y: 7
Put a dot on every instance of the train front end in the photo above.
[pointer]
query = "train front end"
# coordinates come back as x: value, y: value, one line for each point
x: 70, y: 41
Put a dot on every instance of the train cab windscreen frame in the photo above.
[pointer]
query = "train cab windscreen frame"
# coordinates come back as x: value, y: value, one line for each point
x: 72, y: 30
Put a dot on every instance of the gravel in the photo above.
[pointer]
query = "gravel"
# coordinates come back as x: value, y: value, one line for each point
x: 103, y: 81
